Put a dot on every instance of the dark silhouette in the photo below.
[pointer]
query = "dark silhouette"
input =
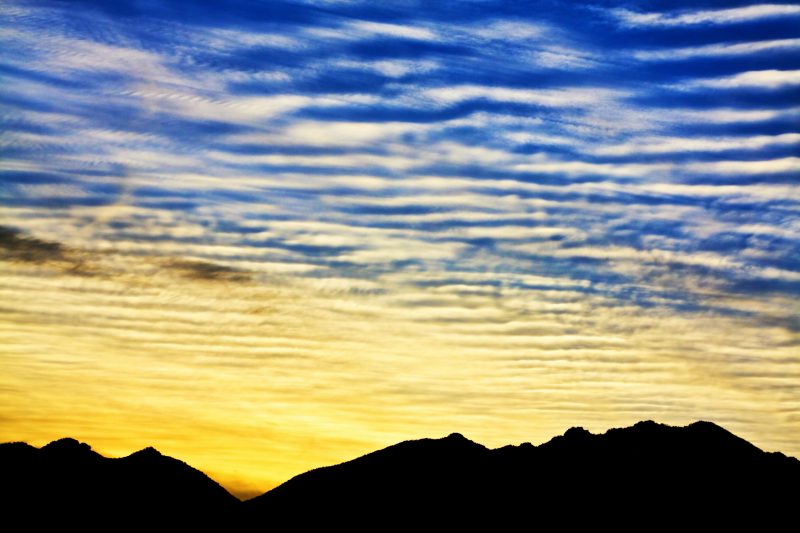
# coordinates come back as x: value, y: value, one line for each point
x: 67, y: 483
x: 700, y: 473
x: 639, y: 477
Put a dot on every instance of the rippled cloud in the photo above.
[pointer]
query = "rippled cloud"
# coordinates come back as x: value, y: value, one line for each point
x: 322, y: 227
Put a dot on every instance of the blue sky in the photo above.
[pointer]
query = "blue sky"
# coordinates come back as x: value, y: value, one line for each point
x: 570, y: 182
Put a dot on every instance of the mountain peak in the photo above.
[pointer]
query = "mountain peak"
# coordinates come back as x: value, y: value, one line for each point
x: 148, y: 452
x: 67, y: 443
x: 69, y: 447
x: 707, y: 426
x: 577, y: 432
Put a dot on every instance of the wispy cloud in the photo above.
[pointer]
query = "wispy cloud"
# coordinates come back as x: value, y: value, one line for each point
x: 769, y: 79
x: 660, y: 145
x: 713, y: 16
x: 718, y: 50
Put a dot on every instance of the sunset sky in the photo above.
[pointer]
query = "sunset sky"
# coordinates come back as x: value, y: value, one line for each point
x: 267, y: 236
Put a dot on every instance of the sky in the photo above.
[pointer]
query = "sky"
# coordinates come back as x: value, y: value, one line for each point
x: 267, y: 236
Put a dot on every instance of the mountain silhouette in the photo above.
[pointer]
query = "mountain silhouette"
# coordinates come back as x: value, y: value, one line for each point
x: 66, y: 482
x: 641, y: 477
x: 626, y: 477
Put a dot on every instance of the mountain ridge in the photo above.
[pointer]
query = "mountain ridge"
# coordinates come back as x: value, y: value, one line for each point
x: 649, y: 467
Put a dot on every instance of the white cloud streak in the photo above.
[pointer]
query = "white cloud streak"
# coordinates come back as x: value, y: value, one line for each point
x: 711, y: 17
x: 767, y: 79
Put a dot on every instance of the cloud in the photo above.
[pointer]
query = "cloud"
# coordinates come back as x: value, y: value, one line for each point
x: 717, y: 50
x: 204, y: 270
x: 330, y: 133
x: 785, y: 164
x: 725, y: 115
x: 394, y: 30
x: 398, y: 68
x: 767, y: 79
x: 561, y: 97
x: 17, y: 247
x: 709, y: 17
x: 573, y: 168
x: 661, y: 145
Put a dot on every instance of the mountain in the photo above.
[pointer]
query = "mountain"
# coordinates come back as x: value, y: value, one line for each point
x: 698, y: 473
x: 645, y: 476
x: 66, y: 482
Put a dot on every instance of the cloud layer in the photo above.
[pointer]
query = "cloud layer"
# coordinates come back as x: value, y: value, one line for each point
x: 290, y: 232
